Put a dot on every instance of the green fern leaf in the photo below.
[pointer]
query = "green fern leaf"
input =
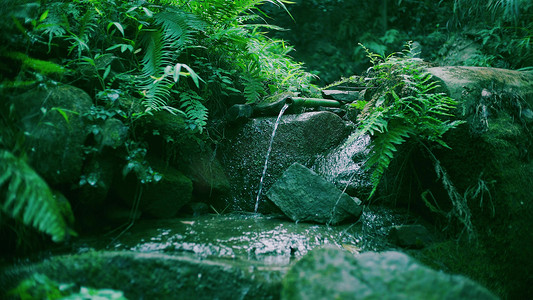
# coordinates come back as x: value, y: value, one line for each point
x: 383, y: 148
x: 29, y: 199
x: 196, y: 112
x: 253, y: 89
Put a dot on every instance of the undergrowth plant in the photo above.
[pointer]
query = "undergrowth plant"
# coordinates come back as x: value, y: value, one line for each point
x: 136, y: 59
x: 406, y: 107
x: 26, y: 197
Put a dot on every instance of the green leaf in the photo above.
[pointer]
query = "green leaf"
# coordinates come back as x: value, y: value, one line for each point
x: 28, y: 199
x: 177, y: 70
x: 106, y: 72
x: 194, y: 76
x: 117, y: 25
x: 148, y: 12
x: 63, y: 112
x: 44, y: 15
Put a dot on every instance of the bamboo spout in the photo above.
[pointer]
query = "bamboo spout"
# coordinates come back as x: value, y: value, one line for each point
x: 311, y: 102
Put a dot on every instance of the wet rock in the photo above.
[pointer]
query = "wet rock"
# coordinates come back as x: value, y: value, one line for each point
x: 163, y: 197
x: 210, y: 182
x: 299, y: 138
x: 343, y: 166
x: 271, y: 240
x: 303, y: 196
x: 95, y: 182
x: 490, y: 164
x: 114, y: 133
x: 55, y: 130
x: 410, y: 236
x: 330, y: 273
x: 155, y: 275
x: 239, y: 113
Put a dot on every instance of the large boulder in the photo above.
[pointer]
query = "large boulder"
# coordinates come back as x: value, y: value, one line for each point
x: 303, y: 196
x: 154, y: 276
x: 331, y: 273
x: 490, y: 164
x: 52, y: 119
x: 299, y: 138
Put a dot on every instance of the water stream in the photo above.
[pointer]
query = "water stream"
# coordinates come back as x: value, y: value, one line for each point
x: 268, y: 155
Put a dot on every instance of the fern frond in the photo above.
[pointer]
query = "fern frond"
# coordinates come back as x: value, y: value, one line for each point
x: 253, y: 89
x: 196, y: 112
x: 27, y: 198
x: 375, y: 122
x: 178, y: 26
x: 382, y: 150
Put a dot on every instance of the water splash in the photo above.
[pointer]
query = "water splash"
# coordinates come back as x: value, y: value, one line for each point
x: 268, y: 155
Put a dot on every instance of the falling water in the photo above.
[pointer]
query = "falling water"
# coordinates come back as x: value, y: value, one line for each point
x: 268, y: 155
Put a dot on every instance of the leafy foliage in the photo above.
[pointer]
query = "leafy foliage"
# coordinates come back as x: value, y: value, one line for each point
x: 194, y: 109
x: 27, y: 197
x: 39, y: 286
x: 405, y: 104
x: 137, y: 58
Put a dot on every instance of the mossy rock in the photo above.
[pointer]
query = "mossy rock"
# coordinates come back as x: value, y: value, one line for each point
x: 331, y: 273
x: 490, y: 164
x: 155, y: 276
x: 52, y: 119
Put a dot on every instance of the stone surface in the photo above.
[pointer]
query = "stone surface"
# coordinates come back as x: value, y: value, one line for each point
x: 155, y: 276
x: 330, y: 273
x: 344, y: 166
x: 163, y: 199
x: 159, y: 199
x: 55, y: 130
x: 210, y: 182
x: 95, y: 182
x: 410, y: 236
x: 114, y: 133
x: 490, y: 162
x: 303, y: 196
x: 239, y: 113
x: 268, y: 240
x: 299, y: 138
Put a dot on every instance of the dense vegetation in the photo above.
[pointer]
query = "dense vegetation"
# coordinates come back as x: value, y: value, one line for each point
x: 134, y: 58
x: 185, y: 63
x: 326, y: 34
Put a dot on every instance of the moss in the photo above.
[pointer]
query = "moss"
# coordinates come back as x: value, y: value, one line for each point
x: 463, y: 258
x: 156, y: 276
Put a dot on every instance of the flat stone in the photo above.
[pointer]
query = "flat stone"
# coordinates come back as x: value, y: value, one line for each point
x: 303, y: 195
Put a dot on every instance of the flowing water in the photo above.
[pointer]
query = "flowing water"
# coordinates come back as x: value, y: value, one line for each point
x: 268, y: 155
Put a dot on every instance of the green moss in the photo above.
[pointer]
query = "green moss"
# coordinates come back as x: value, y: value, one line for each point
x: 41, y: 66
x: 470, y: 260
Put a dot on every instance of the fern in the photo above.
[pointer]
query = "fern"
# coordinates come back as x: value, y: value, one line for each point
x: 80, y: 39
x: 403, y: 105
x: 406, y: 105
x: 382, y: 151
x: 195, y: 111
x: 27, y: 198
x: 253, y: 89
x: 162, y: 46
